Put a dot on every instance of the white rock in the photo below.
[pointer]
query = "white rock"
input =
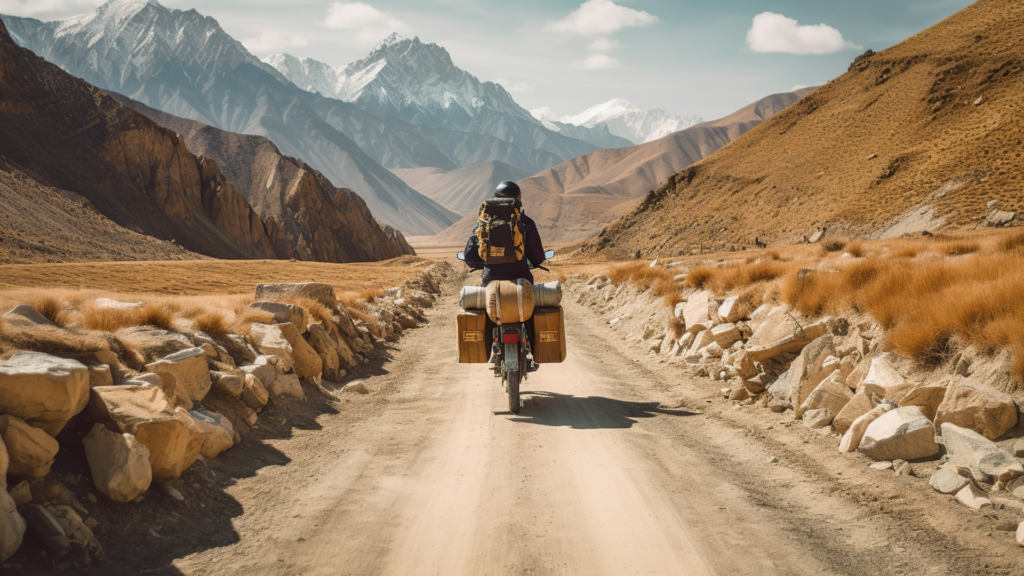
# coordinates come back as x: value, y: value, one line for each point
x: 884, y: 381
x: 973, y: 497
x: 219, y: 434
x: 254, y: 393
x: 1020, y: 534
x: 191, y: 374
x: 978, y: 407
x: 817, y: 418
x: 904, y: 433
x: 697, y: 312
x: 947, y: 481
x: 972, y: 450
x: 725, y: 335
x: 832, y: 394
x: 29, y: 449
x: 43, y: 390
x: 270, y: 341
x: 881, y: 466
x: 729, y: 311
x: 119, y: 464
x: 855, y: 433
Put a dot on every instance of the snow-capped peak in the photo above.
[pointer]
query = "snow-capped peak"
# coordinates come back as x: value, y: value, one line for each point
x: 391, y: 40
x: 627, y: 121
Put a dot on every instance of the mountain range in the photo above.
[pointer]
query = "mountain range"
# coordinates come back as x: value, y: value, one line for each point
x: 622, y: 120
x: 921, y: 137
x: 463, y: 190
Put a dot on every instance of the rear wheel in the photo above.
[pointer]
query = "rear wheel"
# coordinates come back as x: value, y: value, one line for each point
x: 513, y: 391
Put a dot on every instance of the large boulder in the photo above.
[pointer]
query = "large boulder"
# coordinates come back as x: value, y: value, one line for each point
x: 327, y: 349
x: 287, y: 386
x: 217, y: 429
x: 832, y: 395
x: 12, y: 526
x: 697, y: 312
x: 170, y: 433
x: 191, y: 374
x: 43, y: 390
x: 972, y: 450
x: 31, y: 450
x: 978, y: 407
x: 322, y: 293
x: 254, y: 393
x: 119, y: 463
x: 779, y: 332
x: 264, y: 368
x: 283, y: 313
x: 154, y: 343
x: 928, y: 398
x: 226, y: 385
x: 884, y: 382
x: 306, y: 362
x: 270, y: 340
x: 729, y: 311
x: 726, y: 335
x: 855, y: 433
x: 904, y: 434
x: 808, y: 370
x: 858, y: 406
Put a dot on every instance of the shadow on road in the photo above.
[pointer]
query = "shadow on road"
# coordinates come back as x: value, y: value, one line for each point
x: 589, y: 413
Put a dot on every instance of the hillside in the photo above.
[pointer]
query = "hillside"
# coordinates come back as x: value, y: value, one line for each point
x: 461, y: 190
x: 307, y: 216
x: 576, y: 199
x: 63, y: 137
x: 923, y: 136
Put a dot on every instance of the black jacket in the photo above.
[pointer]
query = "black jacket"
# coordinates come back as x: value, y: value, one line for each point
x: 515, y: 270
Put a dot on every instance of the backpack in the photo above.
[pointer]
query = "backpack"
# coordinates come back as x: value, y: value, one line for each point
x: 499, y: 229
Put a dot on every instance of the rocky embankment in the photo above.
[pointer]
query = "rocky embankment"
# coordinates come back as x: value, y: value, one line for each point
x: 952, y: 422
x: 146, y: 404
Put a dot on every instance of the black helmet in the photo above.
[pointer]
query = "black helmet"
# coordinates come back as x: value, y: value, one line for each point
x: 507, y: 189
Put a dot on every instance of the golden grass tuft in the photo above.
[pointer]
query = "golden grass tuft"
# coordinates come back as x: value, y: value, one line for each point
x: 659, y: 280
x: 728, y: 277
x: 52, y: 308
x: 212, y: 323
x: 833, y: 244
x: 856, y: 249
x: 114, y: 319
x: 249, y: 316
x: 351, y: 299
x: 317, y: 311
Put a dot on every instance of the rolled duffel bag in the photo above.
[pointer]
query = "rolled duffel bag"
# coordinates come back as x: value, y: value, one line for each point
x: 509, y: 302
x: 547, y: 295
x: 473, y: 298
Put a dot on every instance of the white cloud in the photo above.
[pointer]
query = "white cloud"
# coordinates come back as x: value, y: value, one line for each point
x: 772, y: 32
x: 544, y: 112
x: 272, y: 41
x: 37, y: 7
x: 600, y: 62
x: 370, y: 24
x: 596, y: 17
x: 602, y: 45
x: 516, y: 87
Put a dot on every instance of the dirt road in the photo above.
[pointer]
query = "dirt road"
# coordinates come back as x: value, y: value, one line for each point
x: 616, y: 465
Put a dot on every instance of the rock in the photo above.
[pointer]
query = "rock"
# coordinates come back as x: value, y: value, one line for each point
x: 808, y: 371
x: 779, y: 333
x: 977, y: 406
x: 226, y: 385
x: 170, y: 434
x: 754, y: 385
x: 712, y: 350
x: 148, y: 378
x: 881, y: 466
x: 858, y: 406
x: 903, y: 468
x: 217, y: 429
x: 44, y: 391
x: 997, y: 218
x: 306, y: 362
x: 817, y: 418
x: 119, y: 464
x: 725, y: 335
x: 100, y: 375
x: 12, y: 526
x: 855, y: 433
x: 22, y: 493
x: 284, y: 313
x: 743, y: 365
x: 327, y: 349
x: 884, y: 382
x: 322, y: 293
x: 832, y: 394
x: 418, y: 298
x: 287, y: 386
x: 25, y: 315
x: 264, y: 368
x: 46, y: 528
x: 738, y: 393
x: 700, y: 341
x: 1018, y: 448
x: 947, y: 481
x: 968, y: 448
x: 357, y: 387
x: 903, y: 433
x: 84, y: 546
x: 697, y: 312
x: 190, y: 371
x: 406, y: 321
x: 973, y: 497
x: 928, y: 398
x: 729, y: 311
x: 29, y: 449
x: 254, y: 393
x: 270, y: 340
x: 154, y: 343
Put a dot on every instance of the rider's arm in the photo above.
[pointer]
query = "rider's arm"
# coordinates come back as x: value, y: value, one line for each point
x: 472, y: 253
x: 534, y: 246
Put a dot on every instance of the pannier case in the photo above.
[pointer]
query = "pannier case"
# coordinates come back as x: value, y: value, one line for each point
x: 474, y: 337
x: 548, y: 335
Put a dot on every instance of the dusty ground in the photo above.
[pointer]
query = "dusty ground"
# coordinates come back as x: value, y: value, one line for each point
x: 207, y: 276
x: 616, y: 465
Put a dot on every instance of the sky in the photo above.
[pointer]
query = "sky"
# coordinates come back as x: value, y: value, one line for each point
x: 689, y: 57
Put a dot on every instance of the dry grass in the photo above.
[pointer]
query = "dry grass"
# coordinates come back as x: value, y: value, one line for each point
x: 1012, y: 243
x: 833, y: 244
x: 248, y: 317
x: 856, y: 249
x: 351, y: 299
x: 659, y: 280
x: 113, y: 319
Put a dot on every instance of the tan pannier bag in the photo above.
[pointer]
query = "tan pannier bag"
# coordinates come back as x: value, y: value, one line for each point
x: 509, y: 302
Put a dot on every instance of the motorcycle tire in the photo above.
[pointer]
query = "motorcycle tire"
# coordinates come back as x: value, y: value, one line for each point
x: 513, y: 391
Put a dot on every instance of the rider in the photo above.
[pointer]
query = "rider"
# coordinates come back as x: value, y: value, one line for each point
x: 533, y: 250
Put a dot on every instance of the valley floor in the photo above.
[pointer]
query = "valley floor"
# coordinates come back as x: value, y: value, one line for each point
x: 616, y: 465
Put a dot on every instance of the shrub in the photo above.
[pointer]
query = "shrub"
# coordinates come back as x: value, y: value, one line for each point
x: 114, y: 319
x: 833, y: 244
x: 856, y: 249
x: 212, y: 323
x: 351, y: 299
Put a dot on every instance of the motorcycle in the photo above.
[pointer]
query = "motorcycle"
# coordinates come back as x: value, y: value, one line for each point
x: 511, y: 345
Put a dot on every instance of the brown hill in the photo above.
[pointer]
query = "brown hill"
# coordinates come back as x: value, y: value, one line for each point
x: 461, y: 190
x: 65, y: 135
x: 578, y: 198
x: 306, y: 214
x: 922, y: 136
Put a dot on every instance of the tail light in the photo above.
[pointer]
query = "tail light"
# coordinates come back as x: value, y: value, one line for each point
x: 510, y: 338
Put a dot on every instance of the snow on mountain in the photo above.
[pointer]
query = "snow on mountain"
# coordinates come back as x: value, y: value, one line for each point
x: 628, y: 121
x: 419, y: 83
